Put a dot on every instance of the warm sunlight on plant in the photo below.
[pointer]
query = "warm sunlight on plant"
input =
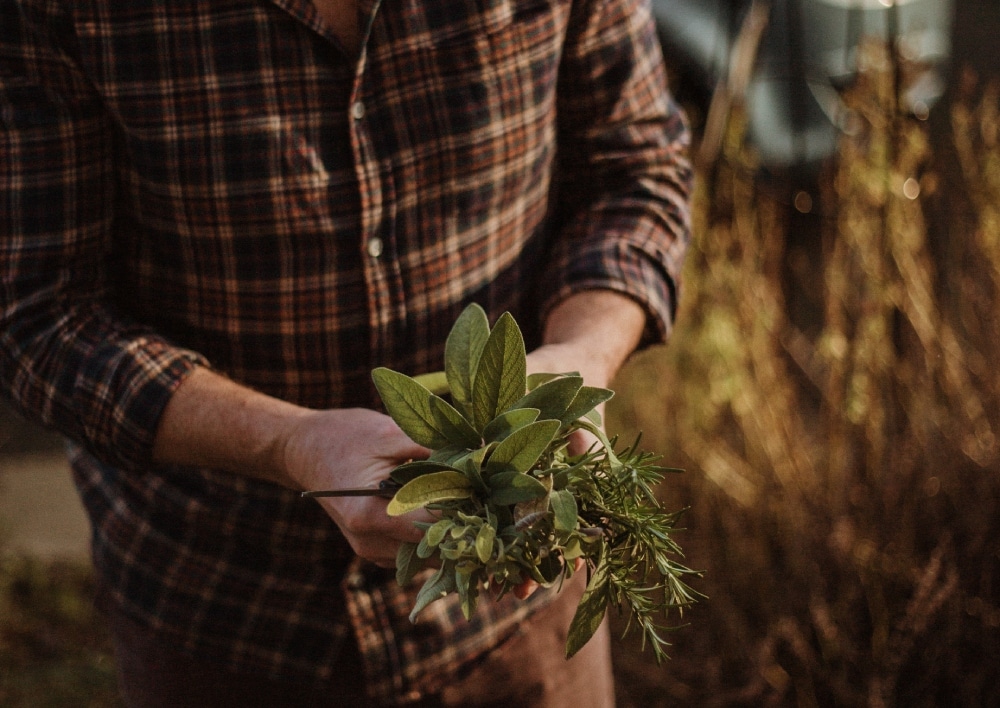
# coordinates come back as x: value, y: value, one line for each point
x: 836, y: 395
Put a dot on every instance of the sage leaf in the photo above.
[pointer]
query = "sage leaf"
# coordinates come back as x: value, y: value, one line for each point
x: 506, y: 423
x: 411, y: 470
x: 451, y: 455
x: 554, y: 397
x: 428, y: 489
x: 436, y: 587
x: 453, y: 424
x: 424, y: 549
x: 565, y: 509
x: 435, y: 381
x: 467, y: 584
x: 515, y: 488
x: 522, y: 448
x: 536, y: 380
x: 573, y: 549
x: 474, y: 466
x: 586, y: 400
x: 462, y: 350
x: 590, y: 612
x: 436, y: 533
x: 484, y: 542
x: 409, y: 405
x: 407, y: 563
x: 500, y: 377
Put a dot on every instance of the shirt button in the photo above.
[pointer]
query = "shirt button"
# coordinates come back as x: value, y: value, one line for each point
x: 375, y: 247
x: 358, y: 110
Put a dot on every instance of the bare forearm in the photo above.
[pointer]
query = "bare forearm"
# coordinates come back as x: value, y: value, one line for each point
x: 592, y: 332
x: 214, y: 422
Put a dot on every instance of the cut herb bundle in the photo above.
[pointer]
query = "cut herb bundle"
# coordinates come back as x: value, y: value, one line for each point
x: 512, y: 503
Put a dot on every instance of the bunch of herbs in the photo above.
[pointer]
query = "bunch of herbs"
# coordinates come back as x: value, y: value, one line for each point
x: 511, y: 501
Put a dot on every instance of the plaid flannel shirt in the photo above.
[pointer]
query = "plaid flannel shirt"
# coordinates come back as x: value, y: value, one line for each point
x: 217, y: 183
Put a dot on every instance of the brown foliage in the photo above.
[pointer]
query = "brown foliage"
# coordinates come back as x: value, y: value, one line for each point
x: 835, y: 397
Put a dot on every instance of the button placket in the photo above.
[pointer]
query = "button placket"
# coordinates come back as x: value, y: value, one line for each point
x: 372, y: 243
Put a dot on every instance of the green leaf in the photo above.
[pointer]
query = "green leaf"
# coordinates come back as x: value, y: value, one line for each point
x: 467, y: 584
x: 564, y: 507
x: 409, y: 405
x: 454, y: 551
x: 586, y: 401
x: 500, y: 377
x: 436, y: 533
x: 590, y: 612
x: 451, y: 455
x: 435, y: 381
x: 474, y: 466
x: 407, y: 563
x: 573, y: 549
x: 424, y: 549
x: 554, y: 397
x: 428, y: 489
x: 484, y: 542
x: 453, y: 424
x: 506, y: 423
x: 436, y: 587
x: 514, y: 488
x: 411, y: 470
x: 462, y: 350
x: 536, y: 380
x: 522, y: 448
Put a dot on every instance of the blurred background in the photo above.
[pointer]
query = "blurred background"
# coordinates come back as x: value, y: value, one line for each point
x: 832, y: 387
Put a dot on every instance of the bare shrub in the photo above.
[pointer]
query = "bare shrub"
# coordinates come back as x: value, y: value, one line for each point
x: 843, y: 465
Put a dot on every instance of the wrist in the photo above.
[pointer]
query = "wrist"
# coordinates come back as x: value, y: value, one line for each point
x: 566, y: 357
x: 593, y: 332
x: 212, y: 421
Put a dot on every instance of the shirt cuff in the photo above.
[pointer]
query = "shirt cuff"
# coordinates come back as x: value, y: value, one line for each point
x: 626, y: 267
x: 121, y: 393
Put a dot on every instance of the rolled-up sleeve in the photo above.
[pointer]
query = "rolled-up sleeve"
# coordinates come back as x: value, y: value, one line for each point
x: 67, y: 360
x: 625, y: 178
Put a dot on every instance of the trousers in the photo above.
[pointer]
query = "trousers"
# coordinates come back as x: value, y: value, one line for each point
x: 528, y: 670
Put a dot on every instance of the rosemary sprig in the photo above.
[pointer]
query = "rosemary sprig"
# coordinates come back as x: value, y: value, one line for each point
x: 512, y: 503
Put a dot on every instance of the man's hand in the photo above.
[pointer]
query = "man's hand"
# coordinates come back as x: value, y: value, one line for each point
x: 214, y: 422
x: 357, y: 447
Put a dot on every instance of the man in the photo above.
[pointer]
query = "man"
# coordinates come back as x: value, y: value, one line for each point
x: 218, y: 216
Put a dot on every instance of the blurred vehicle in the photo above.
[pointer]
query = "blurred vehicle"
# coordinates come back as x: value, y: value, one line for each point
x: 788, y: 59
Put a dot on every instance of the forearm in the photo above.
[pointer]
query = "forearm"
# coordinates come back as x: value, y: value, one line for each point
x: 212, y: 421
x: 593, y: 332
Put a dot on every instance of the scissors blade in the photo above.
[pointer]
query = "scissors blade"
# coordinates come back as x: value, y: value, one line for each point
x: 386, y: 489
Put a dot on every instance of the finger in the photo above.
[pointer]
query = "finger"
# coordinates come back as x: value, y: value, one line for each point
x: 364, y: 520
x: 525, y: 589
x: 580, y: 441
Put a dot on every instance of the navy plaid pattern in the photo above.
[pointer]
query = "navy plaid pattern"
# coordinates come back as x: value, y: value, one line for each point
x: 214, y: 183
